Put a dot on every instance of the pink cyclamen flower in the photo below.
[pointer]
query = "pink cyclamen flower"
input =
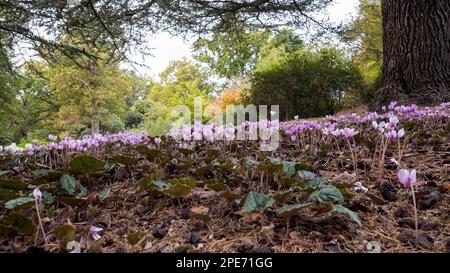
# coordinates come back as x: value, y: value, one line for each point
x: 37, y: 194
x: 360, y: 188
x: 349, y: 132
x: 93, y: 232
x: 394, y: 161
x: 407, y: 178
x: 52, y: 138
x: 157, y: 140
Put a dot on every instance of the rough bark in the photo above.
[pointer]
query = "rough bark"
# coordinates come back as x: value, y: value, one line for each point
x: 416, y: 55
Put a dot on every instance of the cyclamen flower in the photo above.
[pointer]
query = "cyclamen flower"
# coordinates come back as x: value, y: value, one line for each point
x: 183, y: 145
x: 349, y: 132
x: 296, y: 117
x: 157, y: 140
x: 392, y: 105
x: 37, y: 194
x: 28, y: 147
x: 394, y: 161
x: 93, y: 232
x: 52, y: 138
x: 379, y: 127
x: 394, y: 135
x: 359, y: 187
x: 393, y: 122
x: 407, y: 178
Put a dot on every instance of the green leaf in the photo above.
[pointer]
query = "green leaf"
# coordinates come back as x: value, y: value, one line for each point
x: 48, y: 198
x: 288, y: 168
x: 65, y: 234
x: 190, y: 182
x: 250, y: 162
x: 178, y: 191
x: 134, y: 238
x: 15, y: 185
x: 161, y: 185
x: 16, y: 224
x: 230, y: 196
x: 216, y: 186
x: 317, y: 182
x: 19, y: 202
x: 186, y: 152
x: 200, y: 172
x: 328, y: 194
x: 213, y: 153
x: 125, y: 160
x: 282, y: 197
x: 257, y: 202
x: 70, y: 201
x: 344, y: 210
x: 50, y: 176
x: 40, y: 172
x: 104, y: 194
x: 290, y: 210
x: 7, y: 195
x: 151, y: 154
x: 146, y: 183
x: 306, y: 174
x: 234, y: 160
x: 68, y: 183
x: 87, y: 164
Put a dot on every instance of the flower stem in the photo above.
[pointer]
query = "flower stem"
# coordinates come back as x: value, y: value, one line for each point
x: 415, y: 214
x: 40, y: 223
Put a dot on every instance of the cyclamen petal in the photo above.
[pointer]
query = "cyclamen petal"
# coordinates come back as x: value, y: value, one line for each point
x: 37, y: 194
x: 407, y: 178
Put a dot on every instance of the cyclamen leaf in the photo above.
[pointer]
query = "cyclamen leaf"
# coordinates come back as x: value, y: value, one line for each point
x: 104, y: 194
x: 87, y: 164
x: 328, y: 194
x: 68, y: 183
x: 7, y: 195
x: 179, y: 190
x: 125, y: 160
x: 290, y: 210
x: 306, y: 174
x: 13, y: 185
x: 18, y: 202
x: 16, y: 223
x: 344, y: 210
x: 257, y: 202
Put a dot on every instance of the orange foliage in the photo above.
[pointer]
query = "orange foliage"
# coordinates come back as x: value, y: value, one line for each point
x: 229, y: 96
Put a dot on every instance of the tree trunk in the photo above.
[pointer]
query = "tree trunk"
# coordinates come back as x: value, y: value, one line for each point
x: 416, y: 55
x: 95, y: 128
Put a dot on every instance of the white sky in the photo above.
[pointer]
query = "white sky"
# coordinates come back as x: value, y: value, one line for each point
x: 167, y: 48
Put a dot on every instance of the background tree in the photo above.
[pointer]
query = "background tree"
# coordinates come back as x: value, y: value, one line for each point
x: 26, y: 103
x: 231, y: 54
x: 305, y: 82
x: 88, y: 98
x: 113, y: 27
x: 365, y: 35
x: 179, y: 84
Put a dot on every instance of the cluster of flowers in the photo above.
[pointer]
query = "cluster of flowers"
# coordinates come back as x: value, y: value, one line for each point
x: 212, y: 132
x: 87, y: 143
x: 386, y: 124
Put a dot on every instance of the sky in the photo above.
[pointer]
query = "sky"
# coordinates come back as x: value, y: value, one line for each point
x: 166, y: 48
